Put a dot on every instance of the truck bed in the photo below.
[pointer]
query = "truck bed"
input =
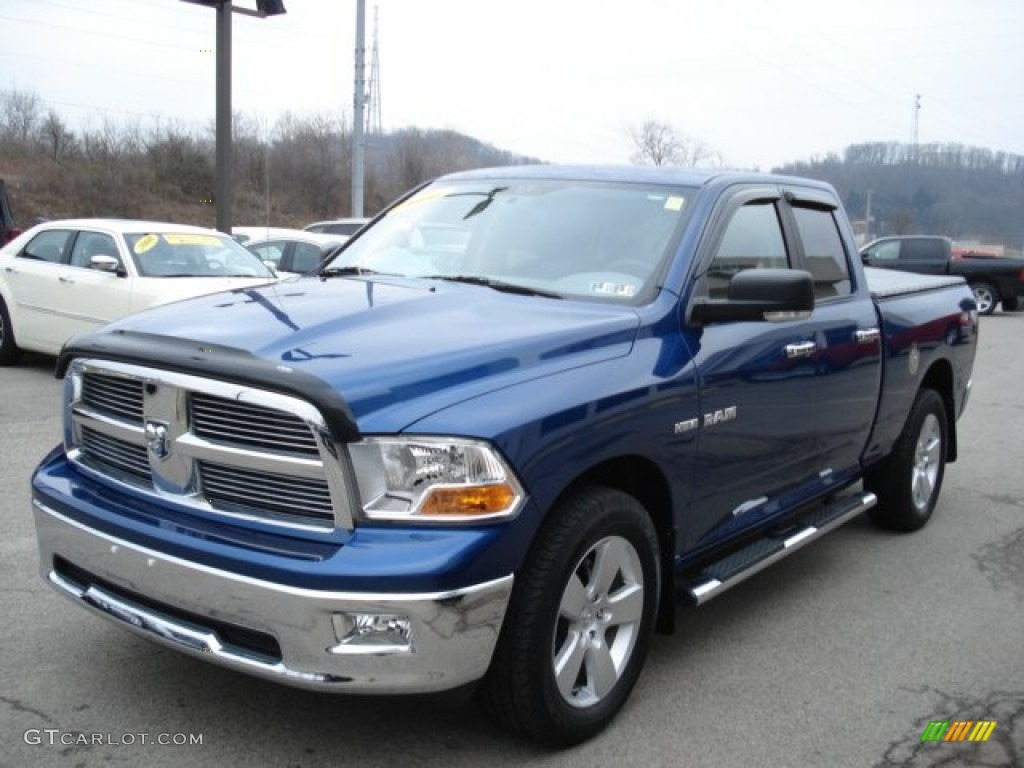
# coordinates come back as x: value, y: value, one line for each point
x: 887, y: 283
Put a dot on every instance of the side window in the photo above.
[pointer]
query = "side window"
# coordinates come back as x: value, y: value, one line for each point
x: 91, y: 244
x: 824, y: 252
x: 923, y: 250
x: 50, y: 245
x: 752, y: 240
x: 269, y: 252
x: 305, y: 257
x: 889, y: 251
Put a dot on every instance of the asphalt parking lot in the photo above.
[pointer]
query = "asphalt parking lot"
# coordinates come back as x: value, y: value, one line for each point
x: 838, y: 656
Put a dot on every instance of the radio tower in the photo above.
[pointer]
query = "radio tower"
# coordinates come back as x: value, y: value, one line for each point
x: 373, y: 126
x: 916, y: 129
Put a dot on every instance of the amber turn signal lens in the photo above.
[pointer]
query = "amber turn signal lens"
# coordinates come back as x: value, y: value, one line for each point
x: 469, y: 500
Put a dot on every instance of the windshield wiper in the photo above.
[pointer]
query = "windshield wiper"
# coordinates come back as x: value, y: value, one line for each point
x: 346, y: 271
x: 497, y: 285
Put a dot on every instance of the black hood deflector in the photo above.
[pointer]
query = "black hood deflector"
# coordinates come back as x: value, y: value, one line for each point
x: 215, y: 362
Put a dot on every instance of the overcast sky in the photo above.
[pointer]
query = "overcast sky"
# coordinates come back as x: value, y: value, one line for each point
x: 762, y: 82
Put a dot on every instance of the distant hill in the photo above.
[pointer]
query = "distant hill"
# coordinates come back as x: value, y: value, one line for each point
x: 297, y: 172
x: 967, y: 193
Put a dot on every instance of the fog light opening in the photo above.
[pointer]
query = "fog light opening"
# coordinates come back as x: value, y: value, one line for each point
x: 371, y: 633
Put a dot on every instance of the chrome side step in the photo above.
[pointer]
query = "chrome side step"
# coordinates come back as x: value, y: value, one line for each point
x: 740, y: 565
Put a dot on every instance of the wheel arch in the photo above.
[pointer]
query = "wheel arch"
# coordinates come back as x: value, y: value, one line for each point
x: 644, y: 480
x: 939, y: 377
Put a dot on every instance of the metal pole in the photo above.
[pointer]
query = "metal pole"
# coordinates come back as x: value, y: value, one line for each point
x: 358, y: 121
x: 222, y: 196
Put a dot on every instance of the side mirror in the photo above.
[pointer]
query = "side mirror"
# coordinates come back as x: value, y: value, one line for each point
x: 105, y: 264
x: 773, y: 295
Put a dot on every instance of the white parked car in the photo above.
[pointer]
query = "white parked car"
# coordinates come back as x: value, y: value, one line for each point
x: 62, y: 278
x: 337, y: 226
x: 246, y: 235
x: 295, y: 251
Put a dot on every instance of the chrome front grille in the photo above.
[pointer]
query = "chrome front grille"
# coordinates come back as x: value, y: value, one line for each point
x: 219, y: 448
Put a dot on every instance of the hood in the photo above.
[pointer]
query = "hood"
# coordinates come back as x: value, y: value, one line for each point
x: 396, y: 350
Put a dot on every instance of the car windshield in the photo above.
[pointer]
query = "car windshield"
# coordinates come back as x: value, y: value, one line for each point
x: 192, y: 254
x: 555, y: 238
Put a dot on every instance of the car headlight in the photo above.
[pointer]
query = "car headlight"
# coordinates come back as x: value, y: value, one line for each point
x: 433, y: 479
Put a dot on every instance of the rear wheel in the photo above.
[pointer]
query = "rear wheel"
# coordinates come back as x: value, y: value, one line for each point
x: 986, y: 297
x: 9, y: 352
x: 579, y: 624
x: 909, y: 479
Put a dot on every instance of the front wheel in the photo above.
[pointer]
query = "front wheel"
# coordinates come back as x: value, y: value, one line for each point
x: 580, y: 621
x: 908, y: 481
x: 986, y: 297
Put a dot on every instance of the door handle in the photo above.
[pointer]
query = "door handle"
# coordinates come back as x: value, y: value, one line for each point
x: 803, y: 349
x: 65, y: 280
x: 867, y: 335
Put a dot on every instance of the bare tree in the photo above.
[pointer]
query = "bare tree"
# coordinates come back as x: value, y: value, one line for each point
x: 658, y: 143
x: 56, y: 138
x: 19, y: 116
x: 654, y: 143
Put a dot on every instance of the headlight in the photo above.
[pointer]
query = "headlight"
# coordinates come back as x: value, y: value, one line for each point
x: 433, y: 478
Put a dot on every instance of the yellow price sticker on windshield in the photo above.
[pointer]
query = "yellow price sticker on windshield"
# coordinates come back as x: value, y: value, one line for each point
x: 146, y: 243
x: 674, y: 203
x: 188, y: 239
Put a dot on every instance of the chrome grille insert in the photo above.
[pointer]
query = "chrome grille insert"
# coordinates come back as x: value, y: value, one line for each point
x: 109, y: 453
x: 217, y: 418
x: 231, y: 487
x: 114, y: 395
x: 221, y: 448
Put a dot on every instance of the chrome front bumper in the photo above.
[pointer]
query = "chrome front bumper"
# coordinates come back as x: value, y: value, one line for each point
x: 450, y: 637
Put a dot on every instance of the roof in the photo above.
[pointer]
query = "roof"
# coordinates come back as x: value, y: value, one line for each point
x: 125, y: 225
x: 637, y: 174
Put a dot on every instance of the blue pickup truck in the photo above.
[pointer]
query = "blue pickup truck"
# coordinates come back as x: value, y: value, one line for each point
x: 501, y: 433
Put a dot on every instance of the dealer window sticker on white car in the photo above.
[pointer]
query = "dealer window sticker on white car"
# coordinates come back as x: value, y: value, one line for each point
x: 613, y: 289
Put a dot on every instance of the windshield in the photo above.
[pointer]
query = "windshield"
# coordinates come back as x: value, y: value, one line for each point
x: 559, y: 238
x: 192, y: 254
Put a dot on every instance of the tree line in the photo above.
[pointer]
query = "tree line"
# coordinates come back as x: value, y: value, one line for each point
x: 286, y: 173
x: 967, y: 193
x: 297, y: 169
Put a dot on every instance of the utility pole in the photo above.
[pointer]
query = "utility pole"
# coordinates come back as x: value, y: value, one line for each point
x: 867, y: 219
x: 358, y: 112
x: 915, y: 137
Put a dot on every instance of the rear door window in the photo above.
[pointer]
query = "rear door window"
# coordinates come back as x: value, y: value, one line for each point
x: 823, y: 250
x: 51, y: 246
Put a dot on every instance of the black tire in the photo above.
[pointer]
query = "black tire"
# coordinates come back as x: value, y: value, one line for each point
x: 595, y: 623
x: 1011, y: 305
x: 9, y: 352
x: 908, y: 481
x: 985, y: 296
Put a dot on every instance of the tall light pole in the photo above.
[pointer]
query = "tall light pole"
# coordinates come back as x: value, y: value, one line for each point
x: 222, y: 182
x: 222, y: 186
x: 358, y: 107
